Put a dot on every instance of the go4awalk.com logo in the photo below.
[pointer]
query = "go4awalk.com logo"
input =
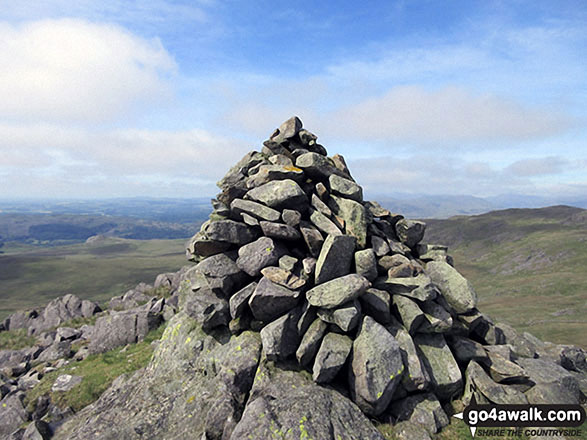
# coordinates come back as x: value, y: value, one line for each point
x: 517, y: 420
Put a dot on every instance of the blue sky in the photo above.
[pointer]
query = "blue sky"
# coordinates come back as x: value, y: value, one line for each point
x: 159, y: 98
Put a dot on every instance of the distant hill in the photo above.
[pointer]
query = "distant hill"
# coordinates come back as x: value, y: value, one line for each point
x: 527, y: 265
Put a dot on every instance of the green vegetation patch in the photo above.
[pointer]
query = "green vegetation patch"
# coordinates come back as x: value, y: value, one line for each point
x: 16, y: 339
x: 98, y: 372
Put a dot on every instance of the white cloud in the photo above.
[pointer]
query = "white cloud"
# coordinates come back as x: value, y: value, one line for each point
x: 450, y: 114
x: 115, y: 162
x: 74, y: 70
x: 537, y: 166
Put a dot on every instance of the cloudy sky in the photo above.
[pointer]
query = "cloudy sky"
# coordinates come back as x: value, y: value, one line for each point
x: 117, y: 98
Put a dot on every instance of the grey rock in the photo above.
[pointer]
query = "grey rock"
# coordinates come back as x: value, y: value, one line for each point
x: 337, y: 291
x: 280, y: 231
x: 438, y: 320
x: 556, y: 377
x: 457, y: 291
x: 259, y: 254
x: 573, y: 359
x: 521, y: 345
x: 230, y: 231
x: 376, y: 209
x: 311, y: 342
x: 270, y: 300
x: 283, y: 277
x: 320, y: 206
x: 493, y: 392
x: 268, y: 173
x: 419, y: 287
x: 279, y: 194
x: 335, y: 258
x: 345, y: 188
x: 324, y: 223
x: 66, y: 382
x: 257, y: 210
x: 201, y: 245
x: 191, y: 373
x: 433, y: 252
x: 291, y: 217
x: 11, y: 358
x: 366, y: 264
x: 416, y: 376
x: 288, y: 262
x: 354, y: 216
x: 346, y: 317
x: 424, y: 409
x: 341, y: 165
x: 410, y: 232
x: 67, y: 334
x: 281, y: 159
x: 280, y: 337
x: 466, y: 349
x: 121, y: 328
x: 238, y: 302
x: 442, y: 367
x: 410, y: 313
x: 288, y: 404
x: 37, y: 430
x: 388, y: 261
x: 287, y: 130
x: 12, y: 414
x: 312, y: 237
x: 376, y: 367
x: 380, y: 246
x: 317, y: 166
x: 57, y: 350
x: 222, y: 274
x: 502, y: 369
x: 309, y: 265
x: 307, y: 317
x: 376, y: 303
x: 331, y: 357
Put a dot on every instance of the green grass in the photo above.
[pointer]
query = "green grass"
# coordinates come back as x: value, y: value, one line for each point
x: 528, y: 267
x: 31, y: 276
x: 98, y: 372
x: 15, y: 339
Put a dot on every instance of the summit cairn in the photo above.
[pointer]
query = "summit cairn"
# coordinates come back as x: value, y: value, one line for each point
x: 310, y: 312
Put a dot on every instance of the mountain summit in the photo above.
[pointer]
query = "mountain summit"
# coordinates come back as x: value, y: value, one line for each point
x: 312, y: 313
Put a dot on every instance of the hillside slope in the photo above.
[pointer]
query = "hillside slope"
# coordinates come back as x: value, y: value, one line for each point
x: 529, y: 266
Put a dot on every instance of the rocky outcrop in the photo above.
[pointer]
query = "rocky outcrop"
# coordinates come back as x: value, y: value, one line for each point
x: 309, y: 311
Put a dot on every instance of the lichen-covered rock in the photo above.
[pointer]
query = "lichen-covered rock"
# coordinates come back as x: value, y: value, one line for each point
x: 337, y: 291
x: 457, y: 291
x: 331, y: 357
x: 281, y: 337
x: 366, y: 264
x: 12, y: 414
x: 376, y: 303
x: 442, y: 367
x: 191, y: 374
x: 279, y: 194
x: 354, y: 216
x: 270, y: 300
x: 419, y: 287
x: 259, y: 254
x: 230, y: 231
x: 312, y: 237
x: 279, y: 231
x: 424, y: 409
x: 323, y: 223
x: 335, y: 258
x: 345, y: 188
x: 311, y: 342
x: 287, y: 404
x: 376, y: 367
x: 346, y: 317
x: 257, y: 210
x: 493, y: 392
x: 410, y: 232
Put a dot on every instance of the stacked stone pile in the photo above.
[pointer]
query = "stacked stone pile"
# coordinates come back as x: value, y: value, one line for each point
x: 347, y: 289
